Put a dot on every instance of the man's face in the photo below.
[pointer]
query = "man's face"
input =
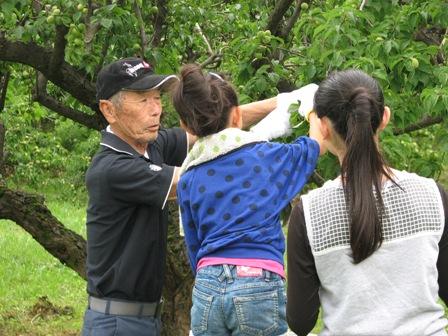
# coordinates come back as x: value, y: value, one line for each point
x: 137, y: 118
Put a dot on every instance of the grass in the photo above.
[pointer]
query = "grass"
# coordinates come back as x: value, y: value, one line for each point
x: 39, y: 295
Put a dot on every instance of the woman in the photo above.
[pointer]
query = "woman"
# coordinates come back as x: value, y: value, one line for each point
x: 232, y: 188
x: 370, y: 247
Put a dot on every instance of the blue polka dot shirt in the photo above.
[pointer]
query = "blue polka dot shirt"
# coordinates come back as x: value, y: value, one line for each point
x: 230, y: 205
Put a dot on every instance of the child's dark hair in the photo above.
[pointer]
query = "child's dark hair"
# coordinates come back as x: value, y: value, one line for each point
x: 203, y: 101
x: 354, y: 103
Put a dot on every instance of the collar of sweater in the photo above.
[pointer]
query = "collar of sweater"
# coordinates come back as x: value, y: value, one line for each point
x: 215, y: 145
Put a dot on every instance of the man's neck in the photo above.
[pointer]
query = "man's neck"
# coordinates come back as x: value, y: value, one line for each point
x: 140, y: 148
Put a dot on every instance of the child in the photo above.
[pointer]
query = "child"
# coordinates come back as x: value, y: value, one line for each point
x: 232, y: 189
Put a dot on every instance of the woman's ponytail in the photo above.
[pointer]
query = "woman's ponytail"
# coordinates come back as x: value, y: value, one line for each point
x: 354, y: 103
x: 362, y: 171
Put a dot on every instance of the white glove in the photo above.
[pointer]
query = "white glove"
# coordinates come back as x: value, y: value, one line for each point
x: 306, y: 97
x: 276, y: 123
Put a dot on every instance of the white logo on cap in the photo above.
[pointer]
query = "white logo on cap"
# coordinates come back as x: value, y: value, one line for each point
x: 154, y: 167
x: 132, y: 70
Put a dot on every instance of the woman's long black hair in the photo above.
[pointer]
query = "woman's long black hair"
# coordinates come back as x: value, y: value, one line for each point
x: 354, y: 103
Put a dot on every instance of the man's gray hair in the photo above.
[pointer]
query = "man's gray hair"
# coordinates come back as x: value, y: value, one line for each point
x: 116, y: 99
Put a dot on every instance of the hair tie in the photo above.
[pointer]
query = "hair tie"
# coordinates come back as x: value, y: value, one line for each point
x: 216, y: 76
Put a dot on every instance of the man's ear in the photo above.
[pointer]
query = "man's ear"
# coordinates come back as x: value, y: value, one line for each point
x: 108, y: 110
x: 386, y: 118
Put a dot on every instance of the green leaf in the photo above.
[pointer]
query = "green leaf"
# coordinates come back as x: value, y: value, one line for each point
x: 106, y: 23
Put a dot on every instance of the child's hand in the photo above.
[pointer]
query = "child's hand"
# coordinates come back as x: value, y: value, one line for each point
x: 305, y: 95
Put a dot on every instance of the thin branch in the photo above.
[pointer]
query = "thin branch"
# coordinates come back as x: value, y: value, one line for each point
x: 4, y: 79
x: 213, y: 58
x: 159, y: 23
x: 292, y: 20
x: 198, y: 29
x: 317, y: 179
x: 425, y: 122
x: 2, y: 150
x: 363, y: 3
x: 104, y: 50
x: 3, y: 88
x: 277, y: 15
x: 91, y: 28
x: 58, y: 54
x: 141, y: 25
x: 40, y: 95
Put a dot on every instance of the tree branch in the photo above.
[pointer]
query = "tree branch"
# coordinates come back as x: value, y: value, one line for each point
x: 4, y: 79
x: 104, y: 50
x: 58, y: 54
x: 276, y: 16
x: 363, y: 3
x: 30, y: 212
x: 2, y: 150
x: 40, y: 95
x: 141, y: 25
x: 198, y: 29
x: 433, y: 36
x: 91, y: 28
x: 213, y: 58
x: 159, y: 22
x: 68, y: 78
x: 425, y: 122
x: 292, y: 20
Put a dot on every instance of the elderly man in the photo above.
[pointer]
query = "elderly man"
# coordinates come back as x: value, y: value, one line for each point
x: 128, y: 182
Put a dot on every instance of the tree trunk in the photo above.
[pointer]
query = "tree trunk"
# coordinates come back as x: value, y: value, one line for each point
x: 2, y: 149
x: 178, y: 282
x: 29, y: 212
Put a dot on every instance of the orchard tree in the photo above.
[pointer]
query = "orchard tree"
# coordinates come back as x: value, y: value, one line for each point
x: 55, y: 49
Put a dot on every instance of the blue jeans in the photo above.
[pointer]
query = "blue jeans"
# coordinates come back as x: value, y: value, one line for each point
x: 99, y: 324
x: 224, y: 304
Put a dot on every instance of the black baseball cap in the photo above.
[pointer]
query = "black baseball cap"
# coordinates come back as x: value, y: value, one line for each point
x: 132, y: 74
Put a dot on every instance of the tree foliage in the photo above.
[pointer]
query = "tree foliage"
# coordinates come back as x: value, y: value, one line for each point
x: 51, y: 51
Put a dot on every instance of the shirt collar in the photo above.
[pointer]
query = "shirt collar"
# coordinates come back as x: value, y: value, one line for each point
x: 212, y: 146
x: 110, y: 140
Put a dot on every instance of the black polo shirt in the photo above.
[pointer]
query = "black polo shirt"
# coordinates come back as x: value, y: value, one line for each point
x: 127, y: 218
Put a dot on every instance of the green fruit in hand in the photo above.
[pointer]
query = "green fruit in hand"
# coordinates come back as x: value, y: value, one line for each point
x: 304, y: 6
x: 414, y: 62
